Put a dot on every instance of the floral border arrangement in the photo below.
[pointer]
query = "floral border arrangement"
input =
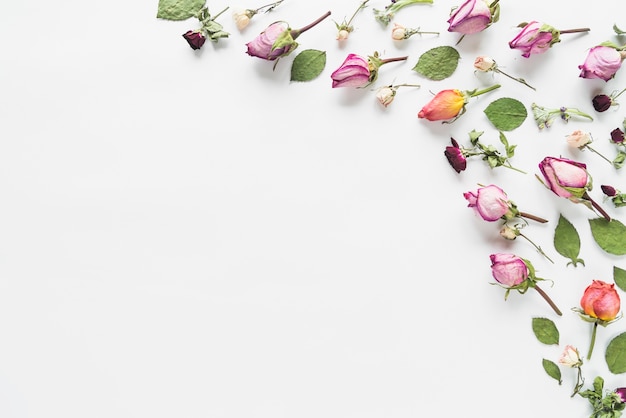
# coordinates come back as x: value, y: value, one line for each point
x: 600, y: 303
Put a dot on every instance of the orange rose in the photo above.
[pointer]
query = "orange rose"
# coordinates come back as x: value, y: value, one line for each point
x: 601, y: 300
x: 446, y: 104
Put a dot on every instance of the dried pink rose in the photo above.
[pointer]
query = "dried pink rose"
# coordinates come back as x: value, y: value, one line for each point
x: 602, y: 62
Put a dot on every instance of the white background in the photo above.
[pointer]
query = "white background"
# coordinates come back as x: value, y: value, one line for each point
x: 189, y: 234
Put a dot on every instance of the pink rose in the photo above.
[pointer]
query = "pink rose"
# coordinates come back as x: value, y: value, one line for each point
x: 600, y: 300
x: 535, y: 38
x: 601, y: 62
x: 490, y: 202
x: 566, y: 178
x: 471, y: 17
x: 263, y: 45
x: 354, y: 72
x: 508, y: 269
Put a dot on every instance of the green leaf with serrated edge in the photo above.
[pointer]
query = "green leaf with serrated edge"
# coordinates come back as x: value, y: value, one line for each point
x: 552, y: 369
x: 307, y: 65
x: 545, y: 330
x: 615, y: 354
x: 609, y: 235
x: 179, y: 9
x: 619, y: 277
x: 567, y: 241
x: 438, y: 63
x: 506, y: 114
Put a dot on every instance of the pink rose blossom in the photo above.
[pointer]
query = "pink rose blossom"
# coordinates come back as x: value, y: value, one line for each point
x: 508, y: 269
x: 601, y: 62
x: 490, y: 202
x: 535, y: 38
x: 473, y: 16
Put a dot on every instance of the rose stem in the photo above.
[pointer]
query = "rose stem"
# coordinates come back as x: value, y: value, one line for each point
x: 593, y: 340
x: 533, y: 217
x: 547, y: 298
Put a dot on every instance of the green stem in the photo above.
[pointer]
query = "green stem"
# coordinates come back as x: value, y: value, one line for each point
x: 538, y: 248
x: 547, y: 299
x: 593, y: 340
x: 593, y: 150
x: 580, y: 381
x: 618, y: 94
x: 411, y: 32
x: 217, y: 15
x: 270, y: 5
x: 357, y: 11
x: 519, y: 80
x: 507, y: 165
x: 483, y: 91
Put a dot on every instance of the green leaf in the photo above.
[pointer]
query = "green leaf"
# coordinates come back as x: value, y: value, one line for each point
x: 610, y: 236
x: 545, y: 331
x: 615, y: 354
x: 179, y: 9
x: 619, y: 277
x: 567, y: 241
x: 506, y: 114
x: 307, y: 65
x: 618, y: 30
x: 438, y: 63
x: 552, y: 369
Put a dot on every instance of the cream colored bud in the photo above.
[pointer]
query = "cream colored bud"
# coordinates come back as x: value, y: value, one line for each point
x: 398, y: 33
x: 508, y: 233
x: 570, y: 357
x: 578, y: 139
x: 342, y: 35
x: 385, y: 95
x: 242, y: 18
x: 622, y: 54
x: 484, y: 63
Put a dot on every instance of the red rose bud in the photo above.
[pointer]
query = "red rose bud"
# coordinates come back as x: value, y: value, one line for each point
x: 600, y: 300
x: 601, y: 103
x: 621, y: 392
x: 472, y: 16
x: 455, y: 157
x: 194, y: 38
x: 610, y: 191
x: 602, y: 62
x: 617, y: 136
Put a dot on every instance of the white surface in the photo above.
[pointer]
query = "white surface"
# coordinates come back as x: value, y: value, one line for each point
x: 188, y: 234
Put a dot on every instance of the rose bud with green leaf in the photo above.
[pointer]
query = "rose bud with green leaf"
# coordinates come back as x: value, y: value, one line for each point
x: 600, y: 304
x: 602, y: 62
x: 358, y: 72
x: 473, y: 16
x: 449, y: 105
x: 242, y: 17
x: 537, y: 38
x: 618, y: 198
x: 515, y: 273
x: 569, y: 179
x: 278, y: 40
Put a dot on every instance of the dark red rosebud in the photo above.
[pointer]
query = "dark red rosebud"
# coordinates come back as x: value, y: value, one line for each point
x: 617, y: 136
x: 621, y: 392
x: 602, y: 102
x: 455, y: 157
x: 608, y: 190
x: 195, y: 39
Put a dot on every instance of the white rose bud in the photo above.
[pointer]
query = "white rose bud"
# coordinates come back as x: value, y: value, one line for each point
x: 578, y: 139
x: 398, y: 33
x: 508, y: 233
x: 342, y: 35
x: 242, y: 18
x: 484, y: 63
x: 570, y: 357
x: 385, y: 95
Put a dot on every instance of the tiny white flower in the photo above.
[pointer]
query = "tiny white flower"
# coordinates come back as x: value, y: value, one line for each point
x: 570, y: 357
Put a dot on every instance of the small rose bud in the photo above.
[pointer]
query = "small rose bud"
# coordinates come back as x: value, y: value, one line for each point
x: 398, y: 33
x: 578, y: 139
x: 446, y: 104
x: 491, y: 203
x: 601, y: 102
x: 570, y: 357
x: 242, y: 18
x: 484, y: 63
x: 194, y: 38
x: 455, y: 156
x: 535, y: 38
x: 509, y: 233
x: 621, y: 392
x: 610, y: 191
x: 342, y: 35
x: 617, y: 136
x: 385, y: 95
